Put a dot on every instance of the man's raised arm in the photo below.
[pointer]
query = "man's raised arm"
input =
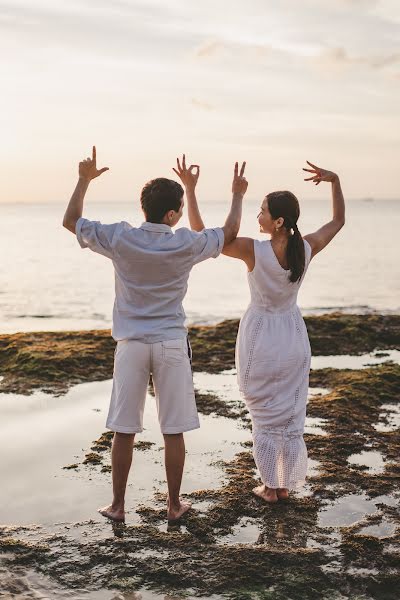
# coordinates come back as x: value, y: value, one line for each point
x: 87, y: 171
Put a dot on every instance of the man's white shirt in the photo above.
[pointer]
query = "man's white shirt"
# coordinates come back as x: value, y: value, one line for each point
x: 152, y: 265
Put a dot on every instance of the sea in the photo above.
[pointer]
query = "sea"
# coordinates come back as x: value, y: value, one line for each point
x: 47, y: 282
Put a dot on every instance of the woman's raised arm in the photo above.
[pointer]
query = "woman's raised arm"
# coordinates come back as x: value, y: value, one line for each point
x: 321, y: 238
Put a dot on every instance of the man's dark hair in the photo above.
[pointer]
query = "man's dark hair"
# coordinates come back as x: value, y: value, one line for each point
x: 159, y: 196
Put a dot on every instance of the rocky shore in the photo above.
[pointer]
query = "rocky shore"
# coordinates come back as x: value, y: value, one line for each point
x: 296, y: 552
x: 54, y: 361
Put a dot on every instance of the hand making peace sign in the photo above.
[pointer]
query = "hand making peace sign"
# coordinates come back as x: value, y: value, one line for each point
x: 239, y: 183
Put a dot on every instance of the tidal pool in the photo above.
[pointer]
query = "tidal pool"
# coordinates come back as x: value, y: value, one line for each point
x: 55, y: 508
x: 370, y: 459
x: 351, y: 508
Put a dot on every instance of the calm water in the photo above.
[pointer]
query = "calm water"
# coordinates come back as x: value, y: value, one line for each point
x: 48, y: 282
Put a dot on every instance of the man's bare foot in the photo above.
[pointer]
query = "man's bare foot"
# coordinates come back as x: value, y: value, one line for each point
x: 266, y: 493
x: 282, y: 493
x: 174, y: 513
x: 115, y: 514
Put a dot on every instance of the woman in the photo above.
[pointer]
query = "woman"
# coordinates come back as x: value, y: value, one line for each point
x: 273, y: 351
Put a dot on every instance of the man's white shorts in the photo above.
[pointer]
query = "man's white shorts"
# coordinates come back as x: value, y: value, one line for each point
x: 169, y: 364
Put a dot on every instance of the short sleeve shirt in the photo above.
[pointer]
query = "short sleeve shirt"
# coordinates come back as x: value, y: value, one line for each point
x: 152, y: 266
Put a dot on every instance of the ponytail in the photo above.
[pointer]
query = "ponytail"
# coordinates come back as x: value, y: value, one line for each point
x: 285, y: 204
x: 295, y: 254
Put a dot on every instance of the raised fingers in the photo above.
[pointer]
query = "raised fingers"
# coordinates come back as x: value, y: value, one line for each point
x: 236, y: 169
x: 179, y: 165
x: 242, y: 169
x: 184, y: 162
x: 313, y: 166
x: 94, y: 154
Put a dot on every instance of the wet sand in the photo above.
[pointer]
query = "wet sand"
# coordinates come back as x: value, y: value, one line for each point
x: 337, y: 538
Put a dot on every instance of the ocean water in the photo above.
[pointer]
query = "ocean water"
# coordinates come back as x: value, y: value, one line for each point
x: 47, y: 282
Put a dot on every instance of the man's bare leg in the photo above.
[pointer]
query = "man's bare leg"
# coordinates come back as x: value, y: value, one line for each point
x: 121, y: 460
x: 174, y: 462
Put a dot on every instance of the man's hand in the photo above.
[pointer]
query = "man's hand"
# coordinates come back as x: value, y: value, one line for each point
x: 239, y: 183
x: 88, y: 169
x: 319, y: 174
x: 188, y: 176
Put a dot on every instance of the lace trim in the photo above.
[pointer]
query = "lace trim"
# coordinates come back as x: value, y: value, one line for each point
x: 297, y: 392
x: 256, y: 332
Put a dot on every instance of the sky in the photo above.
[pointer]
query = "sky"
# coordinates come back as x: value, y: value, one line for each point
x: 272, y: 83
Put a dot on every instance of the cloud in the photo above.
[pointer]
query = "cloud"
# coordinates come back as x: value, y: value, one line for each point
x: 339, y: 58
x: 208, y: 48
x: 201, y: 104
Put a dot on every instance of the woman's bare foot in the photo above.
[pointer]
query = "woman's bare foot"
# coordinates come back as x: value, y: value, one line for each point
x: 266, y: 493
x: 174, y: 513
x: 113, y: 513
x: 282, y: 493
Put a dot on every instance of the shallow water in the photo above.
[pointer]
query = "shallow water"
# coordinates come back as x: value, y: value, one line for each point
x: 26, y: 584
x: 373, y: 460
x: 355, y: 362
x: 315, y: 426
x: 352, y: 508
x: 389, y: 418
x: 60, y: 433
x: 381, y: 530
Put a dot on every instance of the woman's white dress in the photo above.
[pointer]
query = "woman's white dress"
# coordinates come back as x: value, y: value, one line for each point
x: 273, y: 361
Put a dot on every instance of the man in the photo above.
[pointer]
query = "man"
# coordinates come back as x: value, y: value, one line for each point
x: 152, y: 266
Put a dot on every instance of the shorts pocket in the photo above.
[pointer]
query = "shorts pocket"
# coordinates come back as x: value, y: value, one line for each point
x: 173, y: 353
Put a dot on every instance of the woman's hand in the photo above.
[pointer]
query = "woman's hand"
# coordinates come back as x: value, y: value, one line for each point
x: 88, y: 169
x: 188, y: 176
x: 320, y: 174
x: 239, y: 183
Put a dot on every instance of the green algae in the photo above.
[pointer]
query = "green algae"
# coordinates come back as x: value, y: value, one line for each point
x: 53, y: 361
x: 291, y: 554
x: 209, y: 404
x: 92, y: 458
x: 290, y: 549
x: 351, y: 409
x: 103, y: 444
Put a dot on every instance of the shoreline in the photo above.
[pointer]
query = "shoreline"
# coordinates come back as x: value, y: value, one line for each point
x: 53, y: 361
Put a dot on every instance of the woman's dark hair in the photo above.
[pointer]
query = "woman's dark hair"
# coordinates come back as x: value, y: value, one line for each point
x: 159, y: 196
x: 285, y: 205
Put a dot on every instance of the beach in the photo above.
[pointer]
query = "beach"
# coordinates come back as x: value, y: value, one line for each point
x: 281, y: 121
x: 338, y: 537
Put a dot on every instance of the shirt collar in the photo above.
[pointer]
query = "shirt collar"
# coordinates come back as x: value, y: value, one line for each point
x: 156, y: 227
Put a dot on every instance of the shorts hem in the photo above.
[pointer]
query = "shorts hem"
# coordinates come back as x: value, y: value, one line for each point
x: 182, y: 429
x: 120, y: 429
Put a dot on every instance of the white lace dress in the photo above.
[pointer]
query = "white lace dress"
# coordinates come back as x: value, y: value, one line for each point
x: 273, y: 361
